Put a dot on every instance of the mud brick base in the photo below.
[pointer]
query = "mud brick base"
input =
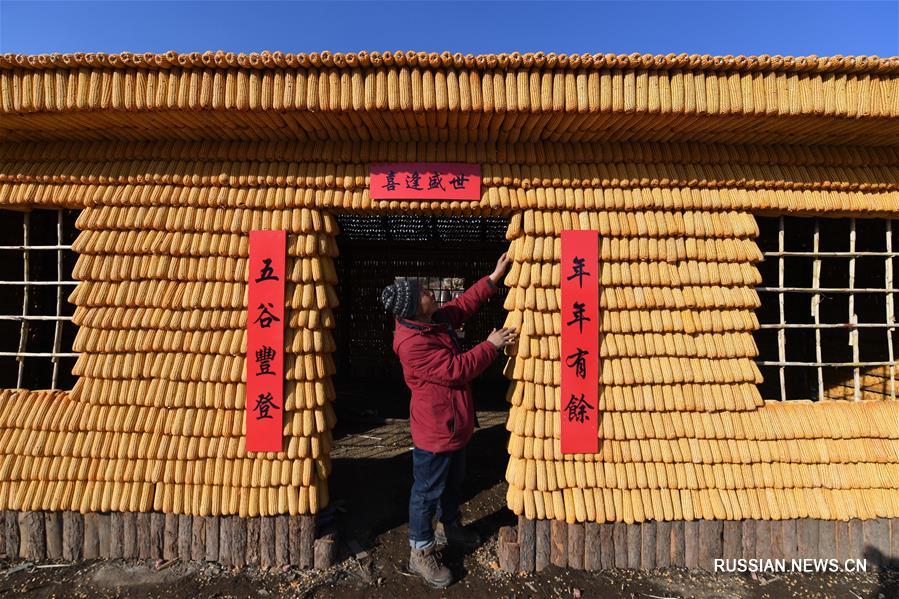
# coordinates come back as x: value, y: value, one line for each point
x: 266, y: 541
x: 695, y: 544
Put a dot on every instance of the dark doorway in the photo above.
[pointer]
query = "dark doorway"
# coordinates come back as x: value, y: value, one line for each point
x: 452, y: 253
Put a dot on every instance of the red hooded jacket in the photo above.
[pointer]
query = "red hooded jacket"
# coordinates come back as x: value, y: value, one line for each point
x: 439, y: 374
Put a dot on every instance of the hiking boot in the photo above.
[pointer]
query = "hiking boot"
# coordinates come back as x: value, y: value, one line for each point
x: 426, y: 563
x: 456, y: 534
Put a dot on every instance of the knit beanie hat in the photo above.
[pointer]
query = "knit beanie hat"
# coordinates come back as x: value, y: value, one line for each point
x: 402, y: 298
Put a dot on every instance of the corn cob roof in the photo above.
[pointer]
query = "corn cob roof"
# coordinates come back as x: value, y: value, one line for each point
x: 386, y: 96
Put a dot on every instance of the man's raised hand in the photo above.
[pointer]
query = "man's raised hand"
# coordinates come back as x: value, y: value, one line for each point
x: 503, y: 337
x: 501, y: 266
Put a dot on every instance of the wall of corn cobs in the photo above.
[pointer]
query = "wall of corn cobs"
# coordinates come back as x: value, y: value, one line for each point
x: 155, y: 420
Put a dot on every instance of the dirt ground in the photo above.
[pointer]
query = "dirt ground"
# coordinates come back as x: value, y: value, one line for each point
x: 371, y: 523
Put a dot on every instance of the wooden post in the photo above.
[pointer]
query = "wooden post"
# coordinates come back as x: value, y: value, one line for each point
x: 876, y: 534
x: 91, y: 537
x: 507, y: 549
x: 185, y: 534
x: 691, y: 544
x: 663, y: 544
x: 807, y: 538
x: 763, y: 539
x: 157, y: 534
x: 307, y: 541
x: 266, y: 541
x: 294, y: 525
x: 170, y: 537
x: 827, y: 539
x: 543, y: 545
x: 576, y: 546
x: 198, y: 539
x: 225, y: 542
x: 129, y: 535
x: 212, y: 538
x: 53, y: 526
x: 3, y: 533
x: 710, y: 533
x: 776, y: 547
x: 730, y: 540
x: 841, y: 539
x: 34, y: 536
x: 648, y: 545
x: 619, y: 542
x: 72, y: 536
x: 607, y: 546
x: 116, y: 535
x: 592, y: 556
x: 558, y: 553
x: 678, y: 544
x: 789, y: 539
x: 856, y: 539
x: 527, y: 544
x: 633, y: 546
x: 103, y: 534
x: 894, y: 538
x: 253, y: 541
x: 282, y: 541
x: 238, y: 540
x: 142, y: 534
x: 13, y: 538
x: 747, y: 541
x: 325, y: 551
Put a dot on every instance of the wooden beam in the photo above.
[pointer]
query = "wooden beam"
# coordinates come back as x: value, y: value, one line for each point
x: 576, y: 546
x: 307, y: 541
x: 53, y: 527
x: 211, y: 528
x: 282, y: 541
x: 507, y: 549
x: 116, y: 535
x: 129, y: 535
x: 558, y: 552
x: 592, y: 549
x: 325, y: 551
x: 170, y: 537
x: 142, y: 534
x: 253, y: 541
x: 527, y: 544
x: 266, y: 541
x: 72, y: 536
x: 185, y: 534
x: 543, y: 547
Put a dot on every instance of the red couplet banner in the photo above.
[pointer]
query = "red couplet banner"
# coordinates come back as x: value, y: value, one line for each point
x: 580, y: 342
x: 265, y: 341
x: 425, y: 181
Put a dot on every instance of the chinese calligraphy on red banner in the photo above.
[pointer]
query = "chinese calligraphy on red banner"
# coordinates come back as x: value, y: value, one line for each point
x: 425, y: 181
x: 265, y: 341
x: 580, y: 342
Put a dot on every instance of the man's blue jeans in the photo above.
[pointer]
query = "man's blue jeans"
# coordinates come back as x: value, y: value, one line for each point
x: 436, y: 489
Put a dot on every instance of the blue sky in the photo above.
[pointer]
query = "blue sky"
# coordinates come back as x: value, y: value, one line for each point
x: 720, y: 27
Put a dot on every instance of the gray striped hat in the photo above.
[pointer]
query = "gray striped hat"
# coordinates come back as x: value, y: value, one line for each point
x: 402, y: 298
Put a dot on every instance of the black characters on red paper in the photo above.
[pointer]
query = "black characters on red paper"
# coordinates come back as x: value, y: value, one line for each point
x: 576, y: 409
x: 265, y: 403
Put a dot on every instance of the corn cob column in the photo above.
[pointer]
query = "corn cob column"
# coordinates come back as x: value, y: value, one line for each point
x: 158, y: 410
x: 676, y: 308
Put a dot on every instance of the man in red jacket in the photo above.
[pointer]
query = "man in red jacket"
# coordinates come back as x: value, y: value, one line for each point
x: 442, y: 415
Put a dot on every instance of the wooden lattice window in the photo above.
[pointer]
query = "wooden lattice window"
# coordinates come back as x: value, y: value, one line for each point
x: 36, y: 329
x: 828, y: 308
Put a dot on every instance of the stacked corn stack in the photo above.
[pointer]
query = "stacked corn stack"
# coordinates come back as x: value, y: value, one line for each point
x: 161, y: 308
x: 676, y: 350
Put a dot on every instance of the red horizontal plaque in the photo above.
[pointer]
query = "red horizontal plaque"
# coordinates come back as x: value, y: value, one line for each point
x: 425, y: 181
x: 580, y: 342
x: 265, y: 341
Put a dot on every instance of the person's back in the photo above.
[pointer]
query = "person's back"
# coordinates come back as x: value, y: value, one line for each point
x: 442, y: 414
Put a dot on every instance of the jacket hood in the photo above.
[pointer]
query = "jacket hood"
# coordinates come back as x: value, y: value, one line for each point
x: 407, y: 329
